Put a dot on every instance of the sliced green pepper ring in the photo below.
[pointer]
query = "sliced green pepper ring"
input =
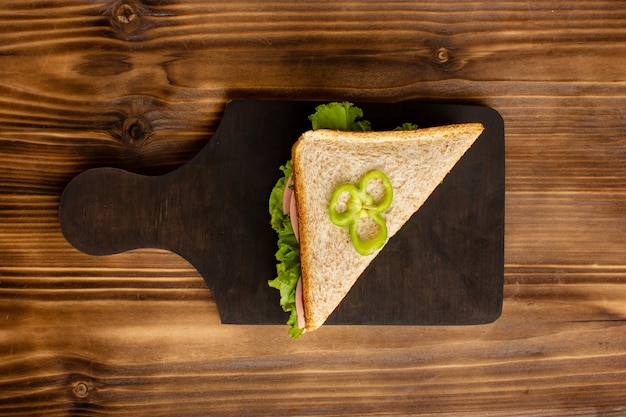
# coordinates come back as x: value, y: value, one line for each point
x: 353, y: 205
x: 367, y: 246
x: 358, y: 205
x: 386, y: 200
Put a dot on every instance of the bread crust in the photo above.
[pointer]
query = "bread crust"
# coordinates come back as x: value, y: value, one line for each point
x: 300, y: 208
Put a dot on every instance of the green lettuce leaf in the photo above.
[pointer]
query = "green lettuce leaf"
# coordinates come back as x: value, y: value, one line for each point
x: 407, y: 126
x: 288, y: 253
x: 339, y: 116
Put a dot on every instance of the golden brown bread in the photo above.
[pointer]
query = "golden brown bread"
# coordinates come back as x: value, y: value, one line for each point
x: 416, y: 162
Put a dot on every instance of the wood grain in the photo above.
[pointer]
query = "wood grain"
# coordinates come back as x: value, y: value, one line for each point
x: 142, y: 86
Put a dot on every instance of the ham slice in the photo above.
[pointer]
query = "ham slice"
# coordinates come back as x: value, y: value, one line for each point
x: 287, y: 195
x: 300, y: 305
x: 293, y: 214
x: 289, y: 207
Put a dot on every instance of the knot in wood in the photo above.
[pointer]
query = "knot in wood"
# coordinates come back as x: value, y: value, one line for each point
x: 81, y: 389
x: 134, y: 130
x: 126, y: 16
x: 125, y: 13
x: 442, y: 55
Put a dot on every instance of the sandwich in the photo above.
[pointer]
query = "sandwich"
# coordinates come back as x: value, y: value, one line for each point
x: 344, y: 193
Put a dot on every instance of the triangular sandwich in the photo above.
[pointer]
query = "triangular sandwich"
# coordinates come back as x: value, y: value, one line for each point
x: 415, y: 162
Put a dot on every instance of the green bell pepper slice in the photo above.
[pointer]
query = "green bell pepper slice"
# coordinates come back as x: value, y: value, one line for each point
x: 359, y: 205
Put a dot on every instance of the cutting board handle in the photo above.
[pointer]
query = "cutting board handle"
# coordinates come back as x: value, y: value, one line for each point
x: 104, y: 211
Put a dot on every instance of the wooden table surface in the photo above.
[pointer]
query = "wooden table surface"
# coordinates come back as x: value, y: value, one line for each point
x: 142, y: 86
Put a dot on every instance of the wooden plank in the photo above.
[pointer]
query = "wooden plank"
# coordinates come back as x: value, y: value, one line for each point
x: 142, y: 86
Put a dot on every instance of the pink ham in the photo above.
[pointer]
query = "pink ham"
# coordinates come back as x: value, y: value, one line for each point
x: 289, y: 207
x: 300, y: 304
x: 293, y: 214
x: 287, y: 194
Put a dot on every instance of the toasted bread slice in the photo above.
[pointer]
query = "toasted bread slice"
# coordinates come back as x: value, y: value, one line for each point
x: 416, y: 162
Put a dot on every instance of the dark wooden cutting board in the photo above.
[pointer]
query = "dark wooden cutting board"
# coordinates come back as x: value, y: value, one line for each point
x: 444, y: 267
